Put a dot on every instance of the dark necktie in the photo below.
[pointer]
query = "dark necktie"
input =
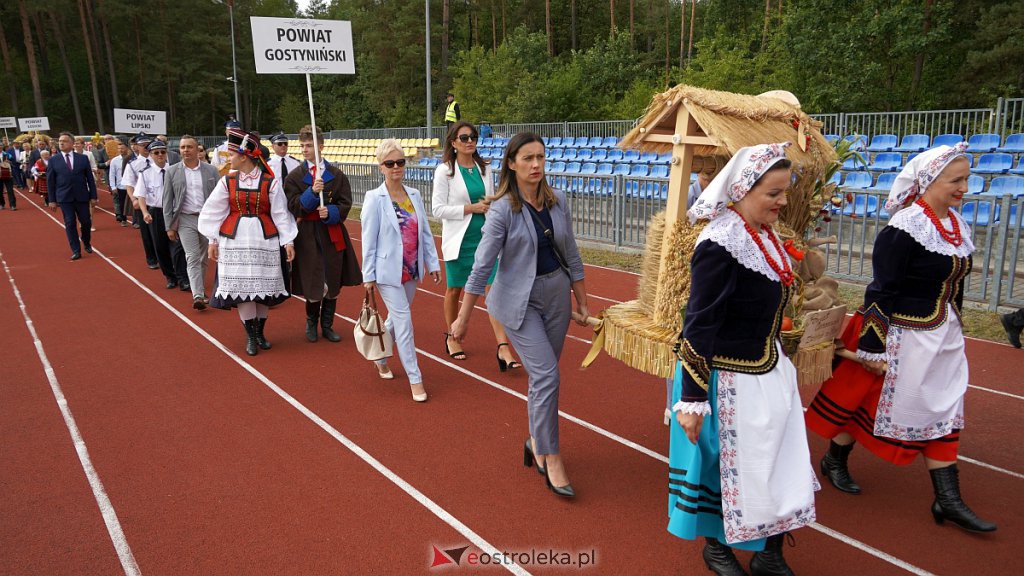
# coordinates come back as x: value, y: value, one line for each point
x: 67, y: 158
x: 284, y: 167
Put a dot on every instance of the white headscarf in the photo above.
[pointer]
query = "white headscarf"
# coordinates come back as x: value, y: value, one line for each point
x: 738, y: 176
x: 919, y: 173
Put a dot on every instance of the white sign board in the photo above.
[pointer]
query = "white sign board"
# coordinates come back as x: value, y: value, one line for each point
x: 302, y: 46
x: 130, y: 121
x: 8, y: 122
x: 37, y: 124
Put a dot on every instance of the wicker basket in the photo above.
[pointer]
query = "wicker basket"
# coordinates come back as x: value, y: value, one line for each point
x: 791, y: 341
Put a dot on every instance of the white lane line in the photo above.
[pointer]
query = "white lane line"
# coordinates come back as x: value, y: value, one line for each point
x: 117, y: 537
x: 991, y: 467
x: 1000, y: 392
x: 406, y: 487
x: 871, y: 550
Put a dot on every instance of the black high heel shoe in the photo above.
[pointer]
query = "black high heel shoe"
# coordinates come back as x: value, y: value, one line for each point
x: 460, y: 355
x: 563, y: 491
x: 503, y: 364
x: 529, y: 458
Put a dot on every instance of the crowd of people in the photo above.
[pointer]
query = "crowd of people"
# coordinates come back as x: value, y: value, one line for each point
x: 740, y: 471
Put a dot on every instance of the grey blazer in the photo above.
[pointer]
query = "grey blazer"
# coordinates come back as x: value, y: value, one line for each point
x: 512, y: 236
x: 174, y: 189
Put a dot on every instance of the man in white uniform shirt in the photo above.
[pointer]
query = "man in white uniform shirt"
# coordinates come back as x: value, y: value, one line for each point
x: 221, y: 155
x: 139, y: 160
x: 187, y: 185
x: 280, y: 162
x: 149, y: 191
x: 116, y: 182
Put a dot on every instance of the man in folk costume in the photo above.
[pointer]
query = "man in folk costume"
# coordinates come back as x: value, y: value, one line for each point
x: 740, y: 473
x: 324, y: 258
x: 281, y: 163
x: 906, y: 395
x: 246, y: 223
x: 221, y: 157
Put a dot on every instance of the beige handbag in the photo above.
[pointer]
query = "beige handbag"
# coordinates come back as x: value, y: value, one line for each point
x: 372, y: 339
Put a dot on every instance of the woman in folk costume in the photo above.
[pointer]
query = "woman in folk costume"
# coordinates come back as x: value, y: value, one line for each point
x: 906, y: 396
x: 741, y: 478
x: 39, y: 173
x: 247, y: 221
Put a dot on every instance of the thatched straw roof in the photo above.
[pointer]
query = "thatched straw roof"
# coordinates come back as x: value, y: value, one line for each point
x: 732, y: 121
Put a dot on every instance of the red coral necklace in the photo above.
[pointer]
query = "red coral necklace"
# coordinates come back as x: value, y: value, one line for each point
x: 954, y: 236
x: 784, y: 271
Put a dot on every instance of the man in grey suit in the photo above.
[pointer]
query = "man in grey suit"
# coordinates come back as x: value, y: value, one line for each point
x: 187, y: 185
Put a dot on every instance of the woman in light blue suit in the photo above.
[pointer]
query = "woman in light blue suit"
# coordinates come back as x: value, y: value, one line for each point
x: 530, y: 226
x: 397, y: 249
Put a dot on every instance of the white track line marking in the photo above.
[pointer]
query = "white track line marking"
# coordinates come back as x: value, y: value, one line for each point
x: 871, y: 550
x: 124, y: 551
x: 397, y: 480
x: 1000, y: 392
x: 991, y: 467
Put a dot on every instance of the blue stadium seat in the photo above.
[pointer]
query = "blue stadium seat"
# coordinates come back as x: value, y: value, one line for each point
x: 555, y: 153
x: 863, y: 205
x: 1002, y: 185
x: 631, y: 155
x: 853, y: 163
x: 859, y: 141
x: 609, y: 142
x: 554, y: 141
x: 995, y: 163
x: 583, y: 154
x: 1014, y: 144
x: 884, y: 181
x: 605, y: 169
x: 836, y: 178
x: 599, y: 155
x: 572, y: 168
x: 947, y: 140
x: 983, y: 143
x: 979, y: 213
x: 975, y: 184
x: 913, y: 155
x: 640, y: 170
x: 569, y: 154
x: 886, y: 162
x: 614, y: 155
x: 1020, y: 167
x: 496, y: 164
x: 649, y: 157
x: 588, y: 168
x: 832, y: 138
x: 665, y: 158
x: 484, y: 142
x: 659, y: 171
x: 594, y: 142
x: 580, y: 142
x: 558, y: 166
x: 883, y: 143
x: 859, y: 180
x: 622, y: 169
x: 914, y: 143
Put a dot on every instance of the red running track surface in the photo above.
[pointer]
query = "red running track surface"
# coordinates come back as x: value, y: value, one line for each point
x: 210, y: 471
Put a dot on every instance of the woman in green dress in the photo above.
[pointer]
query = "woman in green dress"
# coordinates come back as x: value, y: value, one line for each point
x: 462, y: 183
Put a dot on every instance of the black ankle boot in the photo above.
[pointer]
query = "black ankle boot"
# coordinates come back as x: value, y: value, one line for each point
x: 720, y: 559
x: 1012, y: 324
x: 251, y: 346
x: 312, y: 317
x: 260, y: 339
x: 769, y: 562
x: 834, y: 467
x: 950, y: 506
x: 327, y: 319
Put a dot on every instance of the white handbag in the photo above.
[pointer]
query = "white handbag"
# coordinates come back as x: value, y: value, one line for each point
x: 372, y: 339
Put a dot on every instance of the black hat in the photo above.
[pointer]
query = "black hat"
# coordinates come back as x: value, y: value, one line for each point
x: 248, y: 144
x: 279, y: 137
x: 157, y: 145
x: 141, y: 138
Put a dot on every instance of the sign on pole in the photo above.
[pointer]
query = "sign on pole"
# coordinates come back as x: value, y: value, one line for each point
x: 37, y: 124
x: 303, y: 46
x: 8, y: 122
x: 128, y: 121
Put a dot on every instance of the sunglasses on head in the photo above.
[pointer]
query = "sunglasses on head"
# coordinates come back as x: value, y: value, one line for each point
x: 393, y: 163
x: 468, y: 137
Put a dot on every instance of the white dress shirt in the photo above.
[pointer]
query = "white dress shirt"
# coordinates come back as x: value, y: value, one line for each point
x: 194, y: 198
x: 150, y: 185
x: 131, y: 173
x: 275, y: 163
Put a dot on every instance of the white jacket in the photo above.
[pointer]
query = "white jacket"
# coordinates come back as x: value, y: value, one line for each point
x: 449, y: 198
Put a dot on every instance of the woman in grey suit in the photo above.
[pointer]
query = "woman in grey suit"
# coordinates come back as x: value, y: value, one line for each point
x: 529, y: 225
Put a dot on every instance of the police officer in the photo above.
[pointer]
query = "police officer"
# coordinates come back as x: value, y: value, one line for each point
x: 136, y: 162
x: 281, y: 163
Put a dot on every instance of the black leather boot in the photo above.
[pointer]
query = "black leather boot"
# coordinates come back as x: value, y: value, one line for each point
x: 312, y: 317
x: 327, y: 319
x: 769, y: 562
x: 251, y: 347
x: 720, y: 559
x: 950, y: 506
x: 1013, y: 323
x: 833, y: 467
x: 260, y: 339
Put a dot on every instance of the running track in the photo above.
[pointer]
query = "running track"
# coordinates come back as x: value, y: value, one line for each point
x: 173, y: 452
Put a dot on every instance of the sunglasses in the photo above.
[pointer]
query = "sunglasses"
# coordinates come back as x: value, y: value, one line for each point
x: 159, y: 152
x: 393, y: 163
x: 468, y: 137
x: 280, y: 143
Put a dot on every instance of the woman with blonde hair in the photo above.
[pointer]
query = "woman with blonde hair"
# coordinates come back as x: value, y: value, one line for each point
x: 461, y: 183
x: 398, y: 249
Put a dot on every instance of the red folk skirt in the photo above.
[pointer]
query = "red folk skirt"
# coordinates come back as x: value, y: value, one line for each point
x: 848, y: 401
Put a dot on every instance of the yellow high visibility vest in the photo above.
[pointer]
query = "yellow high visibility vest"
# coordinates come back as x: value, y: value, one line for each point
x: 449, y: 115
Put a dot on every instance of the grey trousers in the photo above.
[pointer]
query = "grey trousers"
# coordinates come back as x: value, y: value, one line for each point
x: 398, y: 299
x: 195, y: 245
x: 539, y: 342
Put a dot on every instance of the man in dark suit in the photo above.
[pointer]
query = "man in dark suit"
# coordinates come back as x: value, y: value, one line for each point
x: 70, y: 184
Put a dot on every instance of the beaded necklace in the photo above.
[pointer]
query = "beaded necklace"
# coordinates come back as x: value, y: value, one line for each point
x: 784, y: 271
x: 954, y: 236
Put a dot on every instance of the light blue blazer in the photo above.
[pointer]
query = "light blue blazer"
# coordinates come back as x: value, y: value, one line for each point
x: 513, y: 236
x: 382, y: 238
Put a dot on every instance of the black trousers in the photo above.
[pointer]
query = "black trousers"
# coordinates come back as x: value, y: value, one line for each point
x: 9, y: 185
x: 19, y: 177
x: 147, y: 240
x: 157, y: 232
x: 119, y: 196
x: 79, y: 211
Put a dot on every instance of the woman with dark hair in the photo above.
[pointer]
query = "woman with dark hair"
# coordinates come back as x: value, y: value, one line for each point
x: 906, y: 395
x: 246, y: 221
x: 529, y: 224
x: 462, y: 182
x: 741, y: 477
